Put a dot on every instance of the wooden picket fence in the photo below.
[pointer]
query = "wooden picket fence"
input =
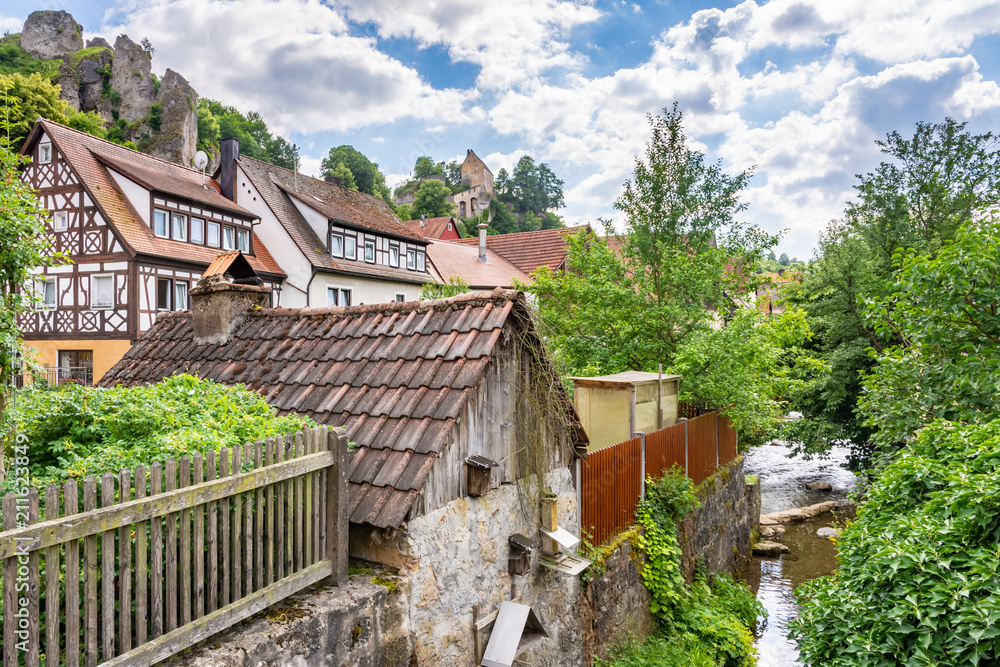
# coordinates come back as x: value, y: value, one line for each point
x: 612, y: 479
x: 173, y: 555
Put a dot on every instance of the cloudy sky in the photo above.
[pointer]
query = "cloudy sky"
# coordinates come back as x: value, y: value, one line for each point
x: 799, y: 88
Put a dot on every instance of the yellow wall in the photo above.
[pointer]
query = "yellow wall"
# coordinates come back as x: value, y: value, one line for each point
x: 106, y: 352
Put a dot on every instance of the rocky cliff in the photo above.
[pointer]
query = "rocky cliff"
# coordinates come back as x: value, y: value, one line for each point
x: 159, y: 117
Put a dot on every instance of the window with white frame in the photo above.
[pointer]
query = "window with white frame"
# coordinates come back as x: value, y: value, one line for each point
x: 400, y: 298
x: 160, y: 223
x: 180, y: 295
x: 338, y: 296
x: 420, y: 261
x: 214, y: 232
x: 47, y: 293
x: 411, y: 259
x: 197, y: 230
x: 370, y: 252
x: 44, y: 153
x: 102, y: 292
x: 243, y: 240
x: 394, y: 256
x: 228, y: 238
x: 60, y: 221
x: 350, y: 247
x: 178, y: 225
x: 337, y: 245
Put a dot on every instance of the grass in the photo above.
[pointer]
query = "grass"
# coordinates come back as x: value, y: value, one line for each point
x: 15, y: 60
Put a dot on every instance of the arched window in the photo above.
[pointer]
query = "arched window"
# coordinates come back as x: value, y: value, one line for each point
x: 461, y: 209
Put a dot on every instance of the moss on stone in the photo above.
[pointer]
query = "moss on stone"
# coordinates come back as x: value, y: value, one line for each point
x: 357, y: 569
x: 92, y: 53
x: 285, y: 613
x: 391, y: 584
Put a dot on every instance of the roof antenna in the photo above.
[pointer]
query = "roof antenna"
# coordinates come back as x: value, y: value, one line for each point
x: 200, y: 162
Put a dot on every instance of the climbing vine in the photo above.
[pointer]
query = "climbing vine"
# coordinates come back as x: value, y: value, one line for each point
x: 712, y: 617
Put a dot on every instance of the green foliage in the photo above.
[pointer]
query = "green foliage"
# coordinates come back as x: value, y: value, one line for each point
x: 708, y: 620
x: 453, y: 172
x: 531, y: 187
x: 77, y: 431
x: 431, y: 200
x: 252, y: 132
x: 453, y: 287
x: 156, y: 83
x: 917, y: 198
x: 90, y: 53
x: 366, y: 173
x: 657, y: 651
x: 424, y: 166
x: 155, y: 117
x: 919, y: 575
x: 89, y: 122
x: 405, y: 212
x: 15, y: 60
x: 114, y: 96
x: 944, y: 314
x: 754, y: 365
x: 36, y: 96
x: 344, y: 174
x: 25, y: 247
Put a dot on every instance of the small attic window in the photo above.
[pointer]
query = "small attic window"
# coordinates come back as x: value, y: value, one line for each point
x: 44, y: 153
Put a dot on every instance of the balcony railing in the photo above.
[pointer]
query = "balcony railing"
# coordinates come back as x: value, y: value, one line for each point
x: 57, y: 375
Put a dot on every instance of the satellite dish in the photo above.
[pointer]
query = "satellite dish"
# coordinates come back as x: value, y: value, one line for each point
x: 200, y: 160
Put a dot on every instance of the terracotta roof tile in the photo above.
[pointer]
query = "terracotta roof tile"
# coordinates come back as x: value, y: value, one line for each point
x: 395, y: 375
x: 530, y: 250
x: 90, y: 158
x: 433, y: 228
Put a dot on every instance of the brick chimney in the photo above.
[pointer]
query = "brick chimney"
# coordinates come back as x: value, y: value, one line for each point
x: 482, y: 241
x: 219, y: 307
x: 230, y: 149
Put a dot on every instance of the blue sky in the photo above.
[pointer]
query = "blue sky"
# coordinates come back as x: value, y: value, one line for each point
x: 800, y: 89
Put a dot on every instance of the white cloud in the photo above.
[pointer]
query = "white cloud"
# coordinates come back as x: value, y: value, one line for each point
x: 10, y: 24
x: 293, y: 61
x: 511, y: 41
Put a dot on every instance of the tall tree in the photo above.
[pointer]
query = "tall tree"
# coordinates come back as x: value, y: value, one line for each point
x: 366, y: 173
x: 531, y: 187
x: 916, y: 198
x: 424, y: 167
x: 25, y: 247
x: 216, y: 121
x: 37, y: 97
x: 430, y: 200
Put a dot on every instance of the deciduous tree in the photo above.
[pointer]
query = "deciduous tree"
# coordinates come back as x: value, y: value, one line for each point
x: 430, y: 200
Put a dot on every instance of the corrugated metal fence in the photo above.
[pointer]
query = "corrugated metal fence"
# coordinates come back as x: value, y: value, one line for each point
x: 612, y: 479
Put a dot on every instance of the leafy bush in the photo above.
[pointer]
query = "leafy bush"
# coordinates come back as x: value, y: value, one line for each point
x: 919, y: 575
x: 76, y: 431
x: 710, y: 620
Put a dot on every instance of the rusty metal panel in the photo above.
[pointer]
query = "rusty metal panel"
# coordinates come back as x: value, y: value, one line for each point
x: 702, y: 447
x: 665, y: 449
x: 727, y: 440
x: 611, y: 480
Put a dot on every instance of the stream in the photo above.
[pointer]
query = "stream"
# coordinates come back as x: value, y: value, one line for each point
x: 782, y: 481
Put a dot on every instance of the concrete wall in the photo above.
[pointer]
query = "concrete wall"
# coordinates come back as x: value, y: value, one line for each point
x: 718, y: 534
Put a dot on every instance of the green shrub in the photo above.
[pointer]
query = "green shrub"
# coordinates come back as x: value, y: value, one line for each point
x: 156, y: 115
x: 76, y: 431
x: 919, y: 575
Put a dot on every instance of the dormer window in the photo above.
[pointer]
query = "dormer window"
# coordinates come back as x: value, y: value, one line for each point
x: 350, y: 247
x: 394, y: 256
x: 228, y: 238
x: 60, y: 221
x: 214, y: 234
x: 197, y: 230
x: 370, y: 252
x: 420, y: 261
x: 44, y: 153
x: 337, y: 245
x: 411, y: 259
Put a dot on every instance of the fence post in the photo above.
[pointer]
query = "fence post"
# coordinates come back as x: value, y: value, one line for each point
x: 336, y: 505
x: 642, y: 467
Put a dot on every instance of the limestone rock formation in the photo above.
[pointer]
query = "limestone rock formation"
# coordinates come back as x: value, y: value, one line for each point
x: 177, y: 138
x: 91, y: 79
x: 131, y: 78
x: 69, y: 86
x: 98, y: 41
x: 51, y: 34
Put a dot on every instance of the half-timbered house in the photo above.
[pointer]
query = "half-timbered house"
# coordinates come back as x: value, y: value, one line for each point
x: 140, y: 231
x: 339, y: 247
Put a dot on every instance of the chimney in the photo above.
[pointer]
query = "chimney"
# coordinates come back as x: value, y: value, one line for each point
x: 230, y: 149
x: 422, y: 215
x: 482, y: 241
x: 219, y: 307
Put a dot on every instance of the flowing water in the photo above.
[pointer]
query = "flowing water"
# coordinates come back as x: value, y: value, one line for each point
x: 782, y: 485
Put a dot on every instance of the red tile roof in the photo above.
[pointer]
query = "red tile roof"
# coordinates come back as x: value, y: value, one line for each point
x: 395, y: 375
x: 89, y: 158
x: 530, y: 250
x: 450, y: 259
x: 433, y: 228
